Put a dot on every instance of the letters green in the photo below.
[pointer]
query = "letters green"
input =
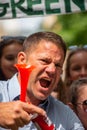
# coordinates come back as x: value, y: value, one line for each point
x: 28, y: 10
x: 48, y: 9
x: 67, y: 6
x: 4, y: 9
x: 79, y: 3
x: 16, y: 5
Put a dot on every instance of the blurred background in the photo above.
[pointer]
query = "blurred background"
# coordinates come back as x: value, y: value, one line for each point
x: 72, y: 27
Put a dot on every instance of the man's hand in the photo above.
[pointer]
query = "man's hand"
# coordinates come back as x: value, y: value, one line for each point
x: 17, y: 114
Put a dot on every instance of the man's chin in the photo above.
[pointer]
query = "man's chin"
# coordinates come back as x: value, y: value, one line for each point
x: 42, y: 97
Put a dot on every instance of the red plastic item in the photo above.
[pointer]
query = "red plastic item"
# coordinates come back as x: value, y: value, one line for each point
x: 25, y: 71
x: 43, y: 124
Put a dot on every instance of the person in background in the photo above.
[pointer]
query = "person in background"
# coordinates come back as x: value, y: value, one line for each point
x: 60, y: 92
x: 78, y: 99
x: 75, y: 66
x: 46, y: 51
x: 9, y: 48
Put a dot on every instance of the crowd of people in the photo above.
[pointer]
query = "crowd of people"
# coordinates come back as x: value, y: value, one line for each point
x: 62, y: 100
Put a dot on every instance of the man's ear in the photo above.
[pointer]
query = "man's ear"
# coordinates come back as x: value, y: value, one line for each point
x: 21, y: 58
x: 70, y: 105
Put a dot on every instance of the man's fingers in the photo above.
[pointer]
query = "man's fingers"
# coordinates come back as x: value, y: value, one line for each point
x: 32, y: 109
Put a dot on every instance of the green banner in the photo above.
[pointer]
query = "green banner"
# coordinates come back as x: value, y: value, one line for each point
x: 27, y: 8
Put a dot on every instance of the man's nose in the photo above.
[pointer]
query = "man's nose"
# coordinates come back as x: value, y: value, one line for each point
x: 51, y: 69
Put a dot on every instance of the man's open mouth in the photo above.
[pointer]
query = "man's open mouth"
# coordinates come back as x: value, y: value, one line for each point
x: 45, y: 82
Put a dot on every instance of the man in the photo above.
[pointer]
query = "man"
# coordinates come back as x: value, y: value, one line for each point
x: 46, y: 51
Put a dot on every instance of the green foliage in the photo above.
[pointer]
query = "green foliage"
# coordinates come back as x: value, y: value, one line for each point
x: 73, y: 28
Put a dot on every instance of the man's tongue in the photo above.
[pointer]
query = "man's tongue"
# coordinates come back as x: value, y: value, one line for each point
x: 44, y: 83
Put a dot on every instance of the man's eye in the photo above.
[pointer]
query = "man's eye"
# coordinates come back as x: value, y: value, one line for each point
x: 45, y: 61
x: 58, y: 65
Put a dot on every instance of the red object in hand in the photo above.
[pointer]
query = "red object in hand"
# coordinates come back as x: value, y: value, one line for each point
x: 25, y: 71
x: 43, y: 123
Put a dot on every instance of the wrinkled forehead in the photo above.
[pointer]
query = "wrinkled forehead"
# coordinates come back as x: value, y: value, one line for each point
x: 40, y: 44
